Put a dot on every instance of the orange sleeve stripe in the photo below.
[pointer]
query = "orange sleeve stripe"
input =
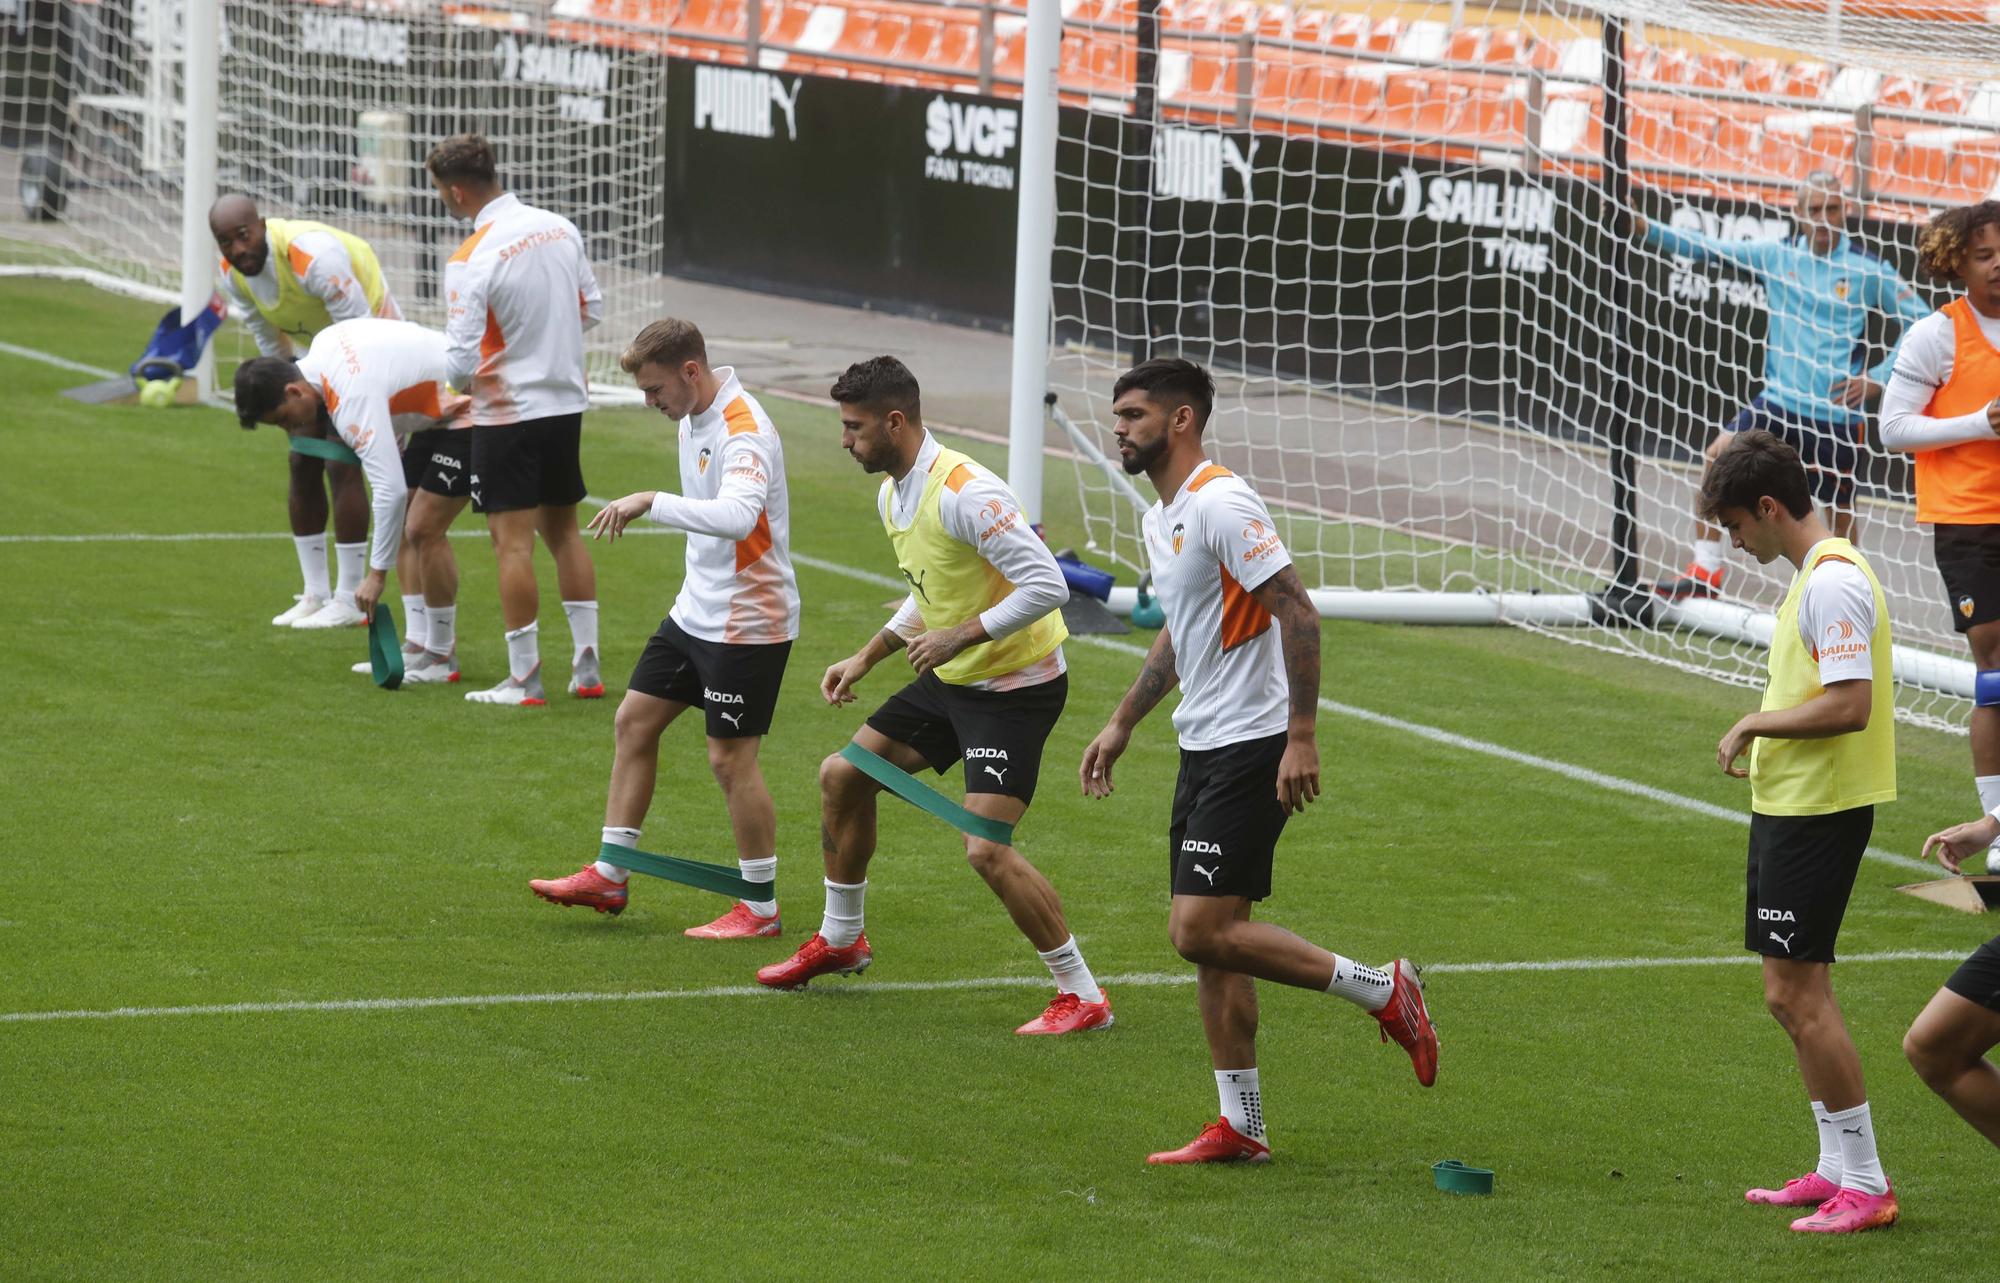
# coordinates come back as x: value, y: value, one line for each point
x: 418, y: 398
x: 749, y: 551
x: 958, y: 478
x: 739, y: 418
x: 1243, y: 616
x: 299, y: 259
x: 327, y: 394
x: 1208, y: 474
x: 1832, y: 556
x: 465, y: 248
x: 493, y: 342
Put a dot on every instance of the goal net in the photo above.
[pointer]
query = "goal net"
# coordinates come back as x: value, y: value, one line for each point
x: 1400, y: 243
x: 327, y: 112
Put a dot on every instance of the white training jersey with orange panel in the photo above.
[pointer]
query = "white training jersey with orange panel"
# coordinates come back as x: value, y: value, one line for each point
x: 1211, y: 547
x: 380, y: 381
x: 319, y: 261
x: 739, y: 587
x: 519, y: 293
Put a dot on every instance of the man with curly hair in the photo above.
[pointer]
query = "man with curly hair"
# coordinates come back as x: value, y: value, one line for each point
x: 1943, y: 406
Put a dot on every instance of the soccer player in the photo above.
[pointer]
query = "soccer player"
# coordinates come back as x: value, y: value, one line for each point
x: 984, y: 634
x: 1947, y: 1044
x: 1820, y: 288
x: 289, y: 279
x: 723, y: 646
x: 1943, y: 405
x: 519, y: 294
x: 369, y: 383
x: 1822, y: 755
x: 1249, y: 702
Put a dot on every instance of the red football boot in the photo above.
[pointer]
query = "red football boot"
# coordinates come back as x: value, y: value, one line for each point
x: 1069, y: 1014
x: 586, y: 886
x: 1408, y: 1021
x: 817, y: 958
x: 1218, y: 1143
x: 737, y: 924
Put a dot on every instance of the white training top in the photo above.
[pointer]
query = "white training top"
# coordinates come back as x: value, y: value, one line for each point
x: 1923, y: 365
x: 739, y: 587
x: 1836, y: 621
x: 519, y: 294
x: 1211, y: 547
x: 381, y: 380
x: 1008, y: 543
x: 329, y: 278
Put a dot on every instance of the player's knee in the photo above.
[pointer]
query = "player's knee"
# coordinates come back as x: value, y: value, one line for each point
x: 838, y: 777
x: 1194, y: 940
x: 1715, y: 444
x: 631, y: 727
x: 730, y: 764
x: 1928, y: 1059
x: 986, y: 858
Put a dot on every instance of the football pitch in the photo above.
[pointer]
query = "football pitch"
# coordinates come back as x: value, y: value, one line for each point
x: 275, y: 1001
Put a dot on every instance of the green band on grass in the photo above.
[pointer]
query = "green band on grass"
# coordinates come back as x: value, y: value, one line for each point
x: 321, y: 448
x: 719, y: 878
x: 925, y: 798
x: 385, y: 650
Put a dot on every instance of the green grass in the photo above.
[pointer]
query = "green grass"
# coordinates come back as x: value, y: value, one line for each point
x: 202, y: 810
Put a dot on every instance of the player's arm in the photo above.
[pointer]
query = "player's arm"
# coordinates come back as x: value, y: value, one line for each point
x: 1751, y: 256
x: 331, y: 278
x: 1897, y: 300
x: 739, y: 498
x: 1837, y: 612
x: 1298, y: 633
x: 837, y: 686
x: 1921, y: 362
x: 368, y: 431
x: 465, y: 321
x: 589, y: 297
x: 1157, y: 675
x: 1954, y: 844
x: 1010, y: 545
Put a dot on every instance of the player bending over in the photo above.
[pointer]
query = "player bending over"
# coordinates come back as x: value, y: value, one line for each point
x: 372, y: 384
x: 1822, y: 756
x: 1947, y: 1044
x: 1249, y: 701
x: 723, y: 646
x: 984, y: 634
x: 289, y: 279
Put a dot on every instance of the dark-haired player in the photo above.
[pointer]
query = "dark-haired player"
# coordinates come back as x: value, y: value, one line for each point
x: 1242, y: 642
x: 984, y: 632
x: 1943, y: 406
x: 1822, y: 756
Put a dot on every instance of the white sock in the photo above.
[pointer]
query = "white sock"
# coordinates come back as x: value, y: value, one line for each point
x: 312, y: 565
x: 350, y: 562
x: 582, y: 627
x: 441, y: 637
x: 841, y: 925
x: 416, y: 622
x: 1829, y: 1144
x: 1859, y: 1167
x: 1989, y: 797
x: 627, y: 838
x: 1365, y: 987
x: 524, y: 652
x: 1072, y: 973
x: 1708, y: 554
x: 1242, y: 1101
x: 764, y: 871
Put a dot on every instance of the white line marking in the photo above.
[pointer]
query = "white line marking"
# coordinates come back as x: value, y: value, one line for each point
x: 1148, y: 979
x: 60, y: 362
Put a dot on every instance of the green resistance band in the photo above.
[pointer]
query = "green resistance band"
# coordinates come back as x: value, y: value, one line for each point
x: 924, y: 797
x: 385, y: 650
x: 321, y: 448
x: 719, y: 878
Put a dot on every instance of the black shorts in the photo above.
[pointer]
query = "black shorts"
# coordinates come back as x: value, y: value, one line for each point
x: 999, y: 735
x: 737, y: 686
x: 1801, y: 872
x: 1829, y: 450
x: 1978, y: 977
x: 437, y: 460
x: 1227, y: 819
x: 1968, y: 560
x: 528, y: 465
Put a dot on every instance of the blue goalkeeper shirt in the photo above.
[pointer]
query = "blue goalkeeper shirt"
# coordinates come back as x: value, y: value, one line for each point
x: 1819, y: 305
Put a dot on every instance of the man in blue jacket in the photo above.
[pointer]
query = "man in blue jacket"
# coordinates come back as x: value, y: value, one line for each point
x: 1819, y: 287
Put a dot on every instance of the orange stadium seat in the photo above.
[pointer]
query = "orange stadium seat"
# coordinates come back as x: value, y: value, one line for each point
x: 1760, y: 75
x: 1384, y: 35
x: 1717, y: 71
x: 1350, y: 30
x: 1467, y: 44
